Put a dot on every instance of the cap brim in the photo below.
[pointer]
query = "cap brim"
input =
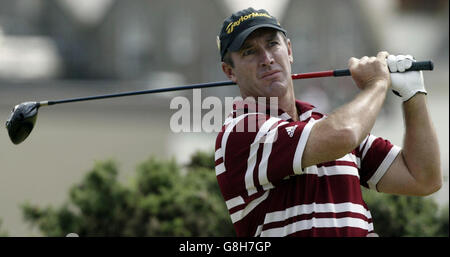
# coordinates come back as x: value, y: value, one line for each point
x: 239, y: 40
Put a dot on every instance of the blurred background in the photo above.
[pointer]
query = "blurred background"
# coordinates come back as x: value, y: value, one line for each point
x: 55, y: 49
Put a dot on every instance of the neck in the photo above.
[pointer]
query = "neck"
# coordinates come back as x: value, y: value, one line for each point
x: 287, y: 104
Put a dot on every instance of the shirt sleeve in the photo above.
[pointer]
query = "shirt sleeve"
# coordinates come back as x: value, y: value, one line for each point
x: 376, y: 156
x: 256, y: 160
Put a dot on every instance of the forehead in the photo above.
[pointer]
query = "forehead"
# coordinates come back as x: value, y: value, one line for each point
x: 263, y: 33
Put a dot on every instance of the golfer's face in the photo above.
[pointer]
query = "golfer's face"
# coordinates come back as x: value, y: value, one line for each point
x: 262, y: 67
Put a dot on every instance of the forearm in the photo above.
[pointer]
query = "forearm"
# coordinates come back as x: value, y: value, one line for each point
x: 420, y: 147
x: 360, y: 114
x: 345, y: 128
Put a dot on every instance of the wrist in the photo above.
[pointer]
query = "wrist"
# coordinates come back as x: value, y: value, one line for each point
x: 381, y: 85
x: 411, y: 94
x: 415, y: 110
x: 417, y: 97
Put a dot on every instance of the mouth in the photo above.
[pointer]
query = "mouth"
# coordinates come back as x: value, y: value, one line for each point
x: 270, y: 74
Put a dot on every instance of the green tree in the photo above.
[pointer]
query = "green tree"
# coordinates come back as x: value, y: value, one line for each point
x: 163, y: 199
x: 397, y: 216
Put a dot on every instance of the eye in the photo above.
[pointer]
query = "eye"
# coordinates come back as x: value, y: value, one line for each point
x: 273, y: 43
x: 248, y: 51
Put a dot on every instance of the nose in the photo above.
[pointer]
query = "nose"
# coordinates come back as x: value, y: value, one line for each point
x: 266, y: 58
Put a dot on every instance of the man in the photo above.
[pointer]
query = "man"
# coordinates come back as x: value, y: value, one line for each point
x: 299, y: 172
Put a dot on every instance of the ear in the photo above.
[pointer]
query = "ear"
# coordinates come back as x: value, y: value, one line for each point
x: 289, y: 46
x: 229, y: 72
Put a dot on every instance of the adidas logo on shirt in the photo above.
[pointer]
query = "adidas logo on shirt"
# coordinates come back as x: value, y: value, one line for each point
x: 290, y: 130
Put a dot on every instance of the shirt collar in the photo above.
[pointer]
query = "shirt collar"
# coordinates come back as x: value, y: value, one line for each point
x: 249, y: 105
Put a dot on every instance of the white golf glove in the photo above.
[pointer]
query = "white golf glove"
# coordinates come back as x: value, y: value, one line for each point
x: 405, y: 84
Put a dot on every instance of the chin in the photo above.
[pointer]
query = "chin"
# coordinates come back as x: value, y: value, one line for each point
x: 277, y: 89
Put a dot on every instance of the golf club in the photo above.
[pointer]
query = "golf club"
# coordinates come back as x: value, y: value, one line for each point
x: 23, y: 117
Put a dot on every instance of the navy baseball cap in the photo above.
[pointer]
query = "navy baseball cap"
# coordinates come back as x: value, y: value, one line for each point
x: 240, y: 25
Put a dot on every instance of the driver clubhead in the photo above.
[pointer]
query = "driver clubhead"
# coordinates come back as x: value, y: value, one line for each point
x: 21, y: 121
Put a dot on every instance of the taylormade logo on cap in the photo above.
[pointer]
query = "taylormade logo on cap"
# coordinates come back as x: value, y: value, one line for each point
x: 231, y: 26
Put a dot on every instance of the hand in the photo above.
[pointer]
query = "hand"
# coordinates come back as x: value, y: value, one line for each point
x: 405, y: 84
x: 369, y: 71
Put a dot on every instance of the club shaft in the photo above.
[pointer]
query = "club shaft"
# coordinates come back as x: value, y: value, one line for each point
x: 150, y: 91
x: 423, y: 65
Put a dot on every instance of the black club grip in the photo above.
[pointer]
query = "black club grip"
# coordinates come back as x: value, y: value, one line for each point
x: 423, y: 65
x: 416, y: 66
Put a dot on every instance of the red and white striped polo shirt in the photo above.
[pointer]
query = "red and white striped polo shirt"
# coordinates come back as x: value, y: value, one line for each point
x: 268, y: 193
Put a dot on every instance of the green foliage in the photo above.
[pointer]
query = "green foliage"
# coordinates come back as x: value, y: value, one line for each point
x: 165, y: 199
x: 161, y: 201
x: 202, y: 160
x: 443, y: 220
x: 397, y: 216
